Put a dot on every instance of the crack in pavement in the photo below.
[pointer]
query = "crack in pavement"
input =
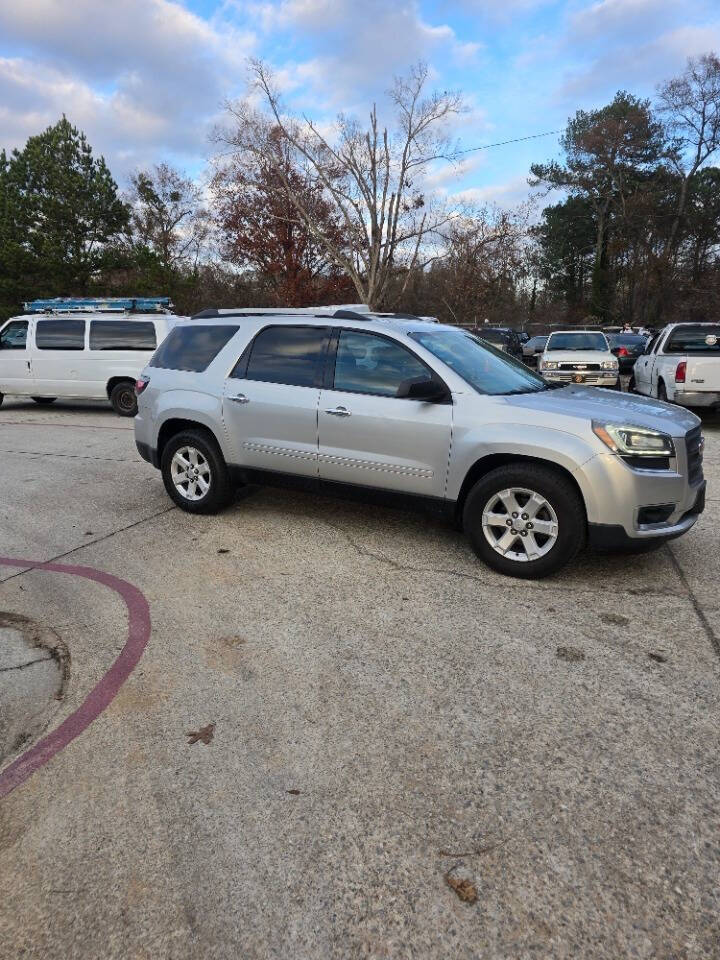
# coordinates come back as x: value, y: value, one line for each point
x: 57, y: 423
x: 73, y: 456
x: 90, y: 543
x: 551, y: 588
x: 22, y: 666
x: 705, y: 623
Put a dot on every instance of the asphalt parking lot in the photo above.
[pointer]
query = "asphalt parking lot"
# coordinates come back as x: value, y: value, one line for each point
x: 407, y: 755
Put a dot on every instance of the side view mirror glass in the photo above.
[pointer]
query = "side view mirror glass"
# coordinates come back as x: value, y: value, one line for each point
x: 422, y: 388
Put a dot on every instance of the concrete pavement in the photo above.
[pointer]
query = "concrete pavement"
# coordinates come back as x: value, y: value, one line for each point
x: 390, y: 717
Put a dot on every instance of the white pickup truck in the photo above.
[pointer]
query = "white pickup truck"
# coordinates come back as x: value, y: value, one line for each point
x: 682, y: 365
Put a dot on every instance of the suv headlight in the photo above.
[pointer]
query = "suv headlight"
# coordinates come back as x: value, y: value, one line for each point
x: 609, y: 365
x: 634, y: 441
x: 548, y: 365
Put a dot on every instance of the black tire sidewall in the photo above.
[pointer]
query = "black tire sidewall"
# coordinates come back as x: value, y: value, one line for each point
x: 559, y: 492
x: 220, y: 490
x: 116, y: 393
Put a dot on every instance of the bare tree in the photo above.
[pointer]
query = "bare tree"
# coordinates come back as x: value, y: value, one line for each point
x: 372, y: 179
x: 168, y: 216
x: 691, y: 103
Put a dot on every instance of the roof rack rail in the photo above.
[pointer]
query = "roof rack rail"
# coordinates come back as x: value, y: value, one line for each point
x: 99, y: 305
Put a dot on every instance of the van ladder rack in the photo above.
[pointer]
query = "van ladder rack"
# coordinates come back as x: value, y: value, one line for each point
x: 96, y: 305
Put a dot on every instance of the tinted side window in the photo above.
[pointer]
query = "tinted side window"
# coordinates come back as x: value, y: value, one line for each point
x: 14, y: 336
x: 369, y: 364
x: 65, y: 334
x: 192, y: 348
x: 122, y: 335
x: 290, y: 355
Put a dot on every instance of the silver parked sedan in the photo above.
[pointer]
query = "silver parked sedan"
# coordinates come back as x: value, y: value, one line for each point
x: 420, y: 413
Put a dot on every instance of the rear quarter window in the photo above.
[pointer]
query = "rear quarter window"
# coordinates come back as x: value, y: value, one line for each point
x: 695, y: 341
x: 192, y: 348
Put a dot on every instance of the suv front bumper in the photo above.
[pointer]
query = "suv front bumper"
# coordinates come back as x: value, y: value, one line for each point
x: 605, y: 536
x: 593, y: 378
x: 619, y: 498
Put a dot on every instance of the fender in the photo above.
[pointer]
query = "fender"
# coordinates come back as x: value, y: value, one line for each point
x: 556, y: 447
x: 196, y: 406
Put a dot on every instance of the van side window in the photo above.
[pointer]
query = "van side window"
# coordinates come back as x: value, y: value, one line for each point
x: 122, y: 335
x: 14, y: 336
x: 65, y: 334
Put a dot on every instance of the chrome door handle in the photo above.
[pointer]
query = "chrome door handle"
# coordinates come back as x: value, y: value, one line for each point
x: 339, y: 412
x: 239, y: 398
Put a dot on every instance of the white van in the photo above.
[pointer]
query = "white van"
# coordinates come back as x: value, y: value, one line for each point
x: 79, y: 354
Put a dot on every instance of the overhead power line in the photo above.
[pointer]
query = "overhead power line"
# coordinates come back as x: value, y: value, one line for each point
x: 502, y: 143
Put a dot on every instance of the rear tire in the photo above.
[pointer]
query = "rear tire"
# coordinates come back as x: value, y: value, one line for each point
x: 44, y: 401
x: 2, y: 397
x: 562, y: 516
x: 123, y: 399
x: 631, y: 384
x: 195, y: 474
x: 662, y: 391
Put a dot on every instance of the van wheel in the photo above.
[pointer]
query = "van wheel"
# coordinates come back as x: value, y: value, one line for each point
x: 123, y: 399
x: 525, y: 521
x: 44, y: 401
x: 195, y: 474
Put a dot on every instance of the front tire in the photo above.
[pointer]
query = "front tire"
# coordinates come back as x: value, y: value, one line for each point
x: 123, y: 399
x: 195, y: 474
x: 525, y: 521
x: 44, y: 401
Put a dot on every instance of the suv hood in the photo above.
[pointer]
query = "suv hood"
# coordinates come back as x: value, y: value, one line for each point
x: 594, y: 403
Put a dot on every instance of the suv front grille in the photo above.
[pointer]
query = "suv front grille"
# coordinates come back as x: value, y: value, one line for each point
x: 694, y: 444
x: 579, y: 366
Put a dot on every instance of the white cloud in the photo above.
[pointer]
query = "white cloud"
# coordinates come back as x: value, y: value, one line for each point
x: 142, y: 78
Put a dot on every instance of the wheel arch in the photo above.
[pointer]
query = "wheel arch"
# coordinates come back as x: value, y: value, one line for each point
x: 175, y: 425
x: 114, y: 381
x: 486, y: 464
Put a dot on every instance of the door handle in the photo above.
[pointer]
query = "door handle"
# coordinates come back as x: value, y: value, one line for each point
x: 339, y: 412
x: 239, y: 398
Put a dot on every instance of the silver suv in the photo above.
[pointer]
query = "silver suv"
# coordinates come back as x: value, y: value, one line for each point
x: 418, y: 412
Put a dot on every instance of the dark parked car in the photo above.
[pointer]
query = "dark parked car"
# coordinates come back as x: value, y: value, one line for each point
x: 533, y: 348
x: 503, y: 338
x: 627, y: 347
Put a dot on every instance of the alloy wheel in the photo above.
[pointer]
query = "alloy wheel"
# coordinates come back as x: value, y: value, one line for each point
x: 520, y: 524
x: 190, y: 473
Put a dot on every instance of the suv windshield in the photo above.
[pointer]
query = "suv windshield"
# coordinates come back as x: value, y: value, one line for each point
x: 486, y: 369
x: 576, y: 341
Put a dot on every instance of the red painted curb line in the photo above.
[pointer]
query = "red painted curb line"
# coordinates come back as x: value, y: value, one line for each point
x: 106, y: 689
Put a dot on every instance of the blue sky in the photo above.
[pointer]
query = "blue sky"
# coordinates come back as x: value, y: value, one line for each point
x: 146, y: 79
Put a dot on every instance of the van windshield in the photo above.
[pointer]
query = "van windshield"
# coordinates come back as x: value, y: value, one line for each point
x: 486, y: 369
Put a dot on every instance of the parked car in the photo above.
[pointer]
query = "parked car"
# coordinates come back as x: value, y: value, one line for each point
x: 532, y: 350
x: 682, y: 365
x: 81, y: 349
x: 627, y: 347
x: 523, y: 336
x: 579, y: 356
x: 420, y: 413
x: 503, y: 338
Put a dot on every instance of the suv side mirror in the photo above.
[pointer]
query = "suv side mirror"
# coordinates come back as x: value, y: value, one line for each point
x: 423, y: 388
